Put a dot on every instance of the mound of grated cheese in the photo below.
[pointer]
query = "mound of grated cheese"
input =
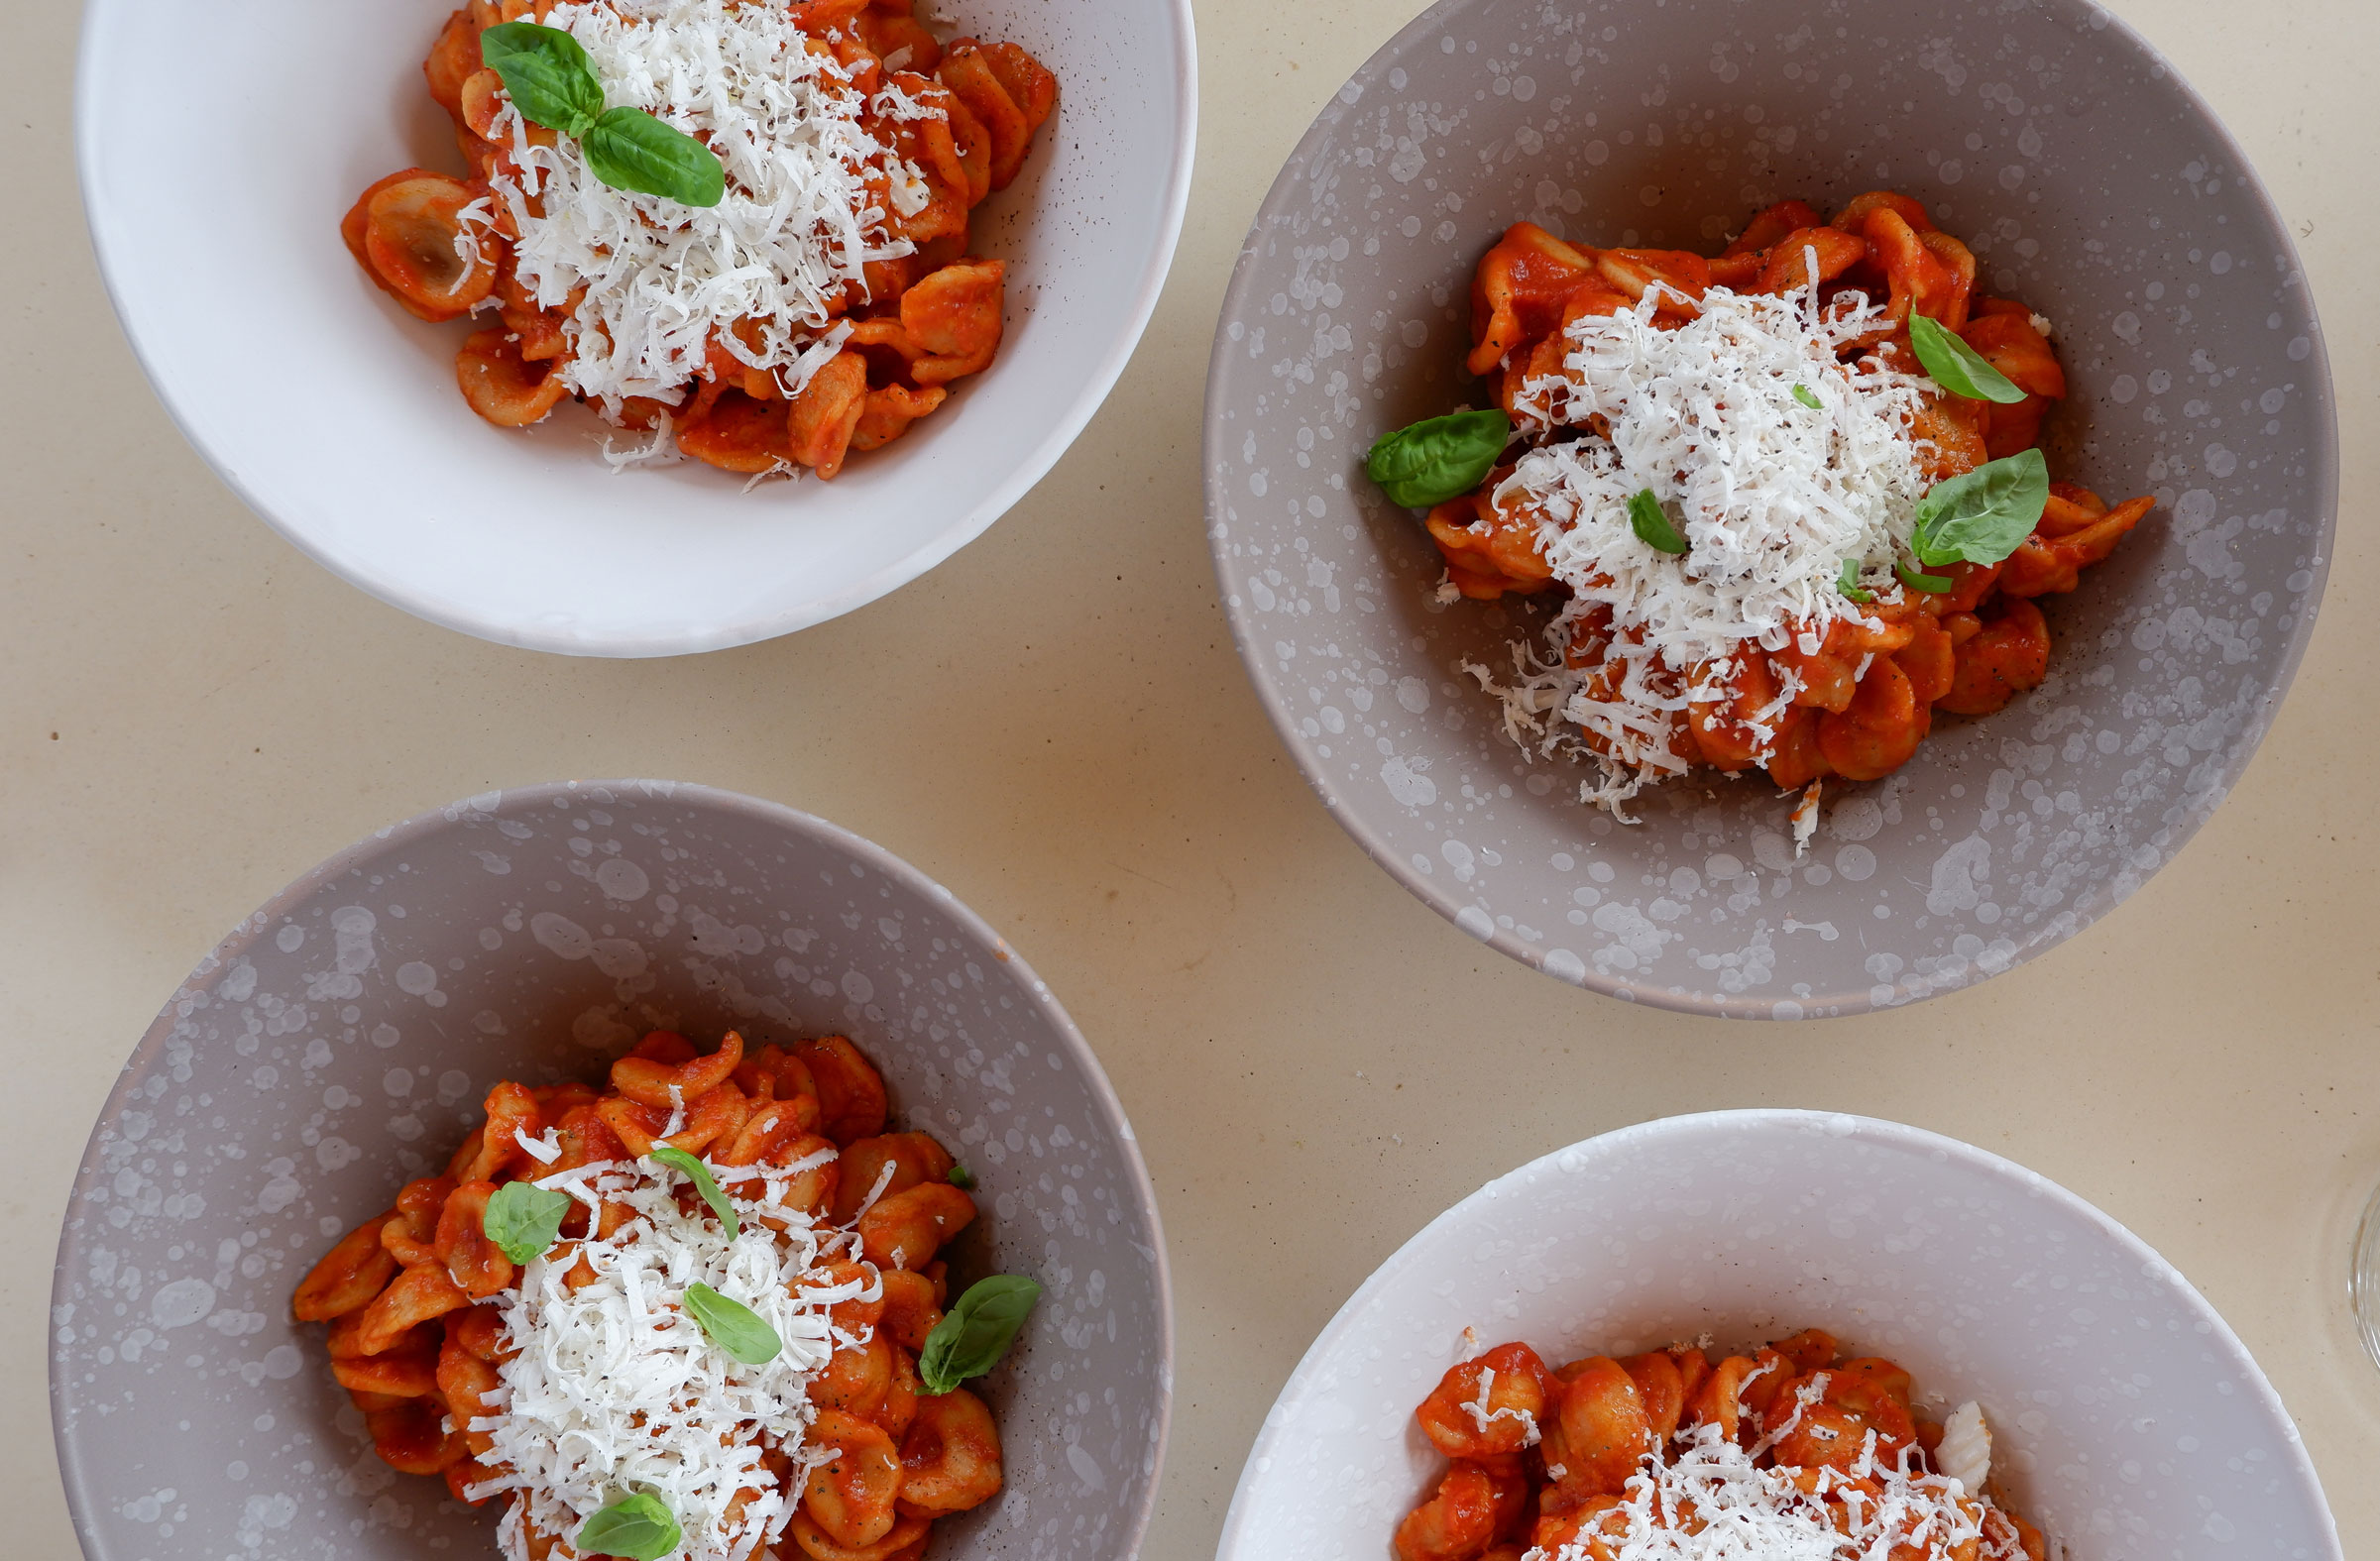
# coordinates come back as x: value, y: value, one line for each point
x: 616, y: 1390
x: 1773, y: 497
x: 1710, y: 1501
x: 799, y: 219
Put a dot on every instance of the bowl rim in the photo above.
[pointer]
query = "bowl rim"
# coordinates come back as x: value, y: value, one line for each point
x: 1343, y: 805
x: 109, y: 246
x: 81, y: 1475
x: 1898, y: 1136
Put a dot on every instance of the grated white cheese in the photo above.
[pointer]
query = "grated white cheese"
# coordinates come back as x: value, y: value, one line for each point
x: 797, y: 223
x: 1772, y: 495
x: 1710, y: 1501
x: 1482, y: 1416
x: 616, y: 1388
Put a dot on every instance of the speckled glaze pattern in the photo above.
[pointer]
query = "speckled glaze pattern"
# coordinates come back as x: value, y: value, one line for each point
x: 2127, y: 1420
x: 2092, y: 183
x: 340, y: 1042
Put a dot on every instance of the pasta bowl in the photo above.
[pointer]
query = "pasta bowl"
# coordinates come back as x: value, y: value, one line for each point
x: 2126, y: 1417
x: 2094, y: 185
x: 339, y: 1042
x: 214, y: 209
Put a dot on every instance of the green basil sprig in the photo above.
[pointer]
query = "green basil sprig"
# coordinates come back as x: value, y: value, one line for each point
x: 552, y: 82
x: 638, y: 1526
x: 1957, y: 366
x: 1847, y: 582
x: 1983, y: 515
x: 962, y: 1178
x: 1439, y: 458
x: 1808, y: 397
x: 695, y: 1171
x: 732, y: 1327
x: 973, y: 1336
x: 1652, y: 523
x: 523, y: 1219
x: 1932, y: 584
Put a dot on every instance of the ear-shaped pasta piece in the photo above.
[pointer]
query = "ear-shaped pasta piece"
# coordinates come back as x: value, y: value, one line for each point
x: 855, y: 1378
x: 950, y: 1458
x: 1787, y: 268
x: 474, y: 1262
x: 2009, y: 655
x: 1853, y: 218
x: 1719, y: 1399
x: 1880, y: 729
x: 1808, y: 1351
x: 1005, y: 88
x: 1930, y: 660
x: 1683, y: 276
x: 2010, y: 344
x: 1920, y: 283
x: 1606, y: 1431
x: 907, y: 1535
x: 1771, y: 225
x: 410, y: 1437
x: 649, y: 1081
x: 1661, y: 1389
x: 954, y: 317
x: 914, y: 1158
x: 891, y: 410
x: 849, y: 1497
x: 417, y: 1296
x: 850, y: 1092
x: 1457, y: 1522
x: 1953, y: 426
x: 825, y: 411
x: 415, y: 242
x: 1485, y: 1407
x: 1518, y: 290
x: 911, y: 1309
x: 502, y: 387
x: 906, y: 1229
x: 732, y: 430
x: 888, y: 33
x: 896, y: 1412
x: 348, y: 1276
x: 452, y: 59
x: 1724, y: 731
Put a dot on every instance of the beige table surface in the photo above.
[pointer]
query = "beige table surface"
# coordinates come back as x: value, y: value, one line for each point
x: 1054, y: 725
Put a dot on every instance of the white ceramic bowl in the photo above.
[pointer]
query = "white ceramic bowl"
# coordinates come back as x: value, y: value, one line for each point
x: 2128, y: 1419
x: 342, y: 1037
x: 219, y: 150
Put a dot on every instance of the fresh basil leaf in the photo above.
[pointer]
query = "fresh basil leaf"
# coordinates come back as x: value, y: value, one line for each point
x: 732, y: 1327
x: 523, y: 1219
x: 973, y: 1336
x: 628, y: 149
x: 695, y: 1171
x: 547, y: 74
x: 1652, y: 523
x: 1985, y: 515
x: 1439, y: 458
x: 1847, y: 582
x: 637, y: 1527
x: 1931, y: 583
x: 962, y: 1178
x: 1957, y: 366
x: 1808, y: 397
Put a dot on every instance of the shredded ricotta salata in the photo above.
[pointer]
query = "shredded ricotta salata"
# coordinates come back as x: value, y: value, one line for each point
x: 647, y: 281
x: 1773, y: 496
x: 615, y: 1387
x: 1710, y: 1501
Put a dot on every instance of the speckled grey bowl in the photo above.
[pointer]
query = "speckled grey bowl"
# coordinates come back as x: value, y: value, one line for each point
x: 2092, y: 183
x: 339, y: 1042
x: 2127, y: 1420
